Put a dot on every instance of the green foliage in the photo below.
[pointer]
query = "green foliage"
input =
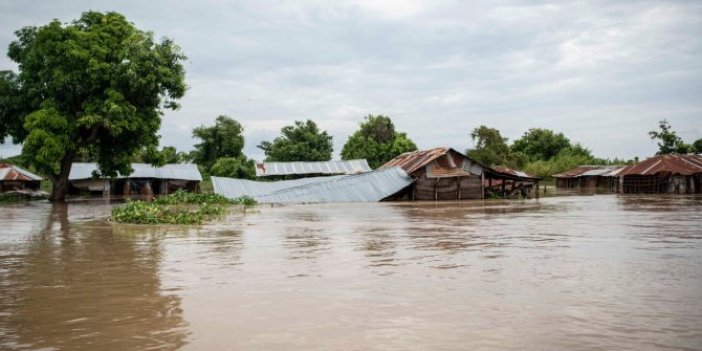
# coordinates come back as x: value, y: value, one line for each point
x: 302, y: 141
x: 668, y: 141
x: 178, y: 208
x: 234, y: 167
x: 376, y: 141
x: 697, y: 146
x: 223, y: 140
x: 490, y: 147
x: 98, y: 83
x: 541, y: 144
x: 167, y: 155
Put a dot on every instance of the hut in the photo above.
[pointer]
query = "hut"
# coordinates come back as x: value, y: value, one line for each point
x: 589, y: 178
x: 15, y: 178
x: 679, y: 174
x: 446, y: 174
x: 311, y: 169
x: 144, y: 180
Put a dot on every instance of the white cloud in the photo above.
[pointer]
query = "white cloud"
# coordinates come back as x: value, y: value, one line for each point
x: 603, y: 73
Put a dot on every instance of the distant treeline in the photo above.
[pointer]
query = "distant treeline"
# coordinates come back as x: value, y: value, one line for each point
x: 538, y: 151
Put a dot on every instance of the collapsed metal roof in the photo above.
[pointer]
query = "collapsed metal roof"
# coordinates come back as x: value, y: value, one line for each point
x: 673, y: 164
x: 234, y: 188
x: 9, y: 172
x: 589, y: 171
x: 178, y: 171
x: 324, y: 167
x: 366, y: 187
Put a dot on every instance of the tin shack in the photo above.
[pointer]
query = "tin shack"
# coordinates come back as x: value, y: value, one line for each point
x: 446, y: 174
x: 679, y: 174
x: 15, y: 178
x: 589, y: 178
x: 145, y: 180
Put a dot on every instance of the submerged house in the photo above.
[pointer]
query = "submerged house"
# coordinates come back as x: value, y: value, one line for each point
x: 266, y: 169
x: 446, y: 174
x: 144, y: 180
x: 589, y: 178
x: 679, y: 174
x: 15, y: 178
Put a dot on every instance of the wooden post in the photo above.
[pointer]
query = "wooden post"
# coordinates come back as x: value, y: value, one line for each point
x: 537, y: 189
x: 436, y: 189
x: 482, y: 185
x: 621, y: 185
x: 503, y: 187
x: 459, y: 187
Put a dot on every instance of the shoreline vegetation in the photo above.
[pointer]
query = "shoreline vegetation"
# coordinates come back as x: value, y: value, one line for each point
x: 178, y: 208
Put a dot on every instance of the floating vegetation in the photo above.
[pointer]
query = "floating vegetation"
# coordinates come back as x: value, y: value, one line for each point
x: 178, y: 208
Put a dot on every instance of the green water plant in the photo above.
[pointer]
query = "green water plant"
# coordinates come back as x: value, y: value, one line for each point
x: 178, y: 208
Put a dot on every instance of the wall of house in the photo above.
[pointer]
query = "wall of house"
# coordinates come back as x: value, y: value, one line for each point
x: 449, y: 188
x: 10, y: 185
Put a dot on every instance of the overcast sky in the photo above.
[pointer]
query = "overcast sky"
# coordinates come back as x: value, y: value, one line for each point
x: 602, y: 72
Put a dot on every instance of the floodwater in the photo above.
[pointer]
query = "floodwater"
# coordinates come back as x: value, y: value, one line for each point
x: 563, y: 273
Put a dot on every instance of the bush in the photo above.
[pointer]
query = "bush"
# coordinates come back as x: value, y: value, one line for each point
x: 178, y: 208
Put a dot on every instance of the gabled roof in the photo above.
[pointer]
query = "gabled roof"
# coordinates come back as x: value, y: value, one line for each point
x: 414, y: 160
x: 365, y: 187
x: 323, y: 167
x: 674, y: 164
x: 179, y: 171
x: 10, y: 172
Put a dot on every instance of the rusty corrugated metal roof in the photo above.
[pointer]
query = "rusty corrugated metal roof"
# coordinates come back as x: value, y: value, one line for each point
x: 575, y: 172
x: 674, y: 164
x: 10, y: 172
x: 414, y: 160
x: 587, y: 171
x: 514, y: 172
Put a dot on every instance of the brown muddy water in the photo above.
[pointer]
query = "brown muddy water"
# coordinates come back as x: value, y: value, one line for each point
x: 563, y: 273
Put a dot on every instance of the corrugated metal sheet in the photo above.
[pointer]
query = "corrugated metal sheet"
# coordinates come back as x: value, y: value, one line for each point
x: 180, y: 171
x: 513, y: 172
x: 589, y: 171
x: 234, y: 188
x: 366, y: 187
x: 12, y: 172
x: 575, y: 172
x: 674, y: 164
x: 326, y: 167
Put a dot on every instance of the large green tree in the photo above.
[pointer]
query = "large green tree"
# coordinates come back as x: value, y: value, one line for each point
x: 541, y: 144
x: 490, y: 146
x: 376, y: 141
x: 97, y: 82
x: 302, y: 141
x: 224, y: 139
x: 668, y: 140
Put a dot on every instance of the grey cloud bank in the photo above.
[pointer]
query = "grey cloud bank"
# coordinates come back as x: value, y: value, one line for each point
x: 603, y: 73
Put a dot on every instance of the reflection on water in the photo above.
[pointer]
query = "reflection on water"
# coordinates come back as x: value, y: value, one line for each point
x: 578, y: 272
x: 83, y: 286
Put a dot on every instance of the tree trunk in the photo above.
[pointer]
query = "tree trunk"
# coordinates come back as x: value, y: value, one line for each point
x: 59, y: 189
x: 60, y: 182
